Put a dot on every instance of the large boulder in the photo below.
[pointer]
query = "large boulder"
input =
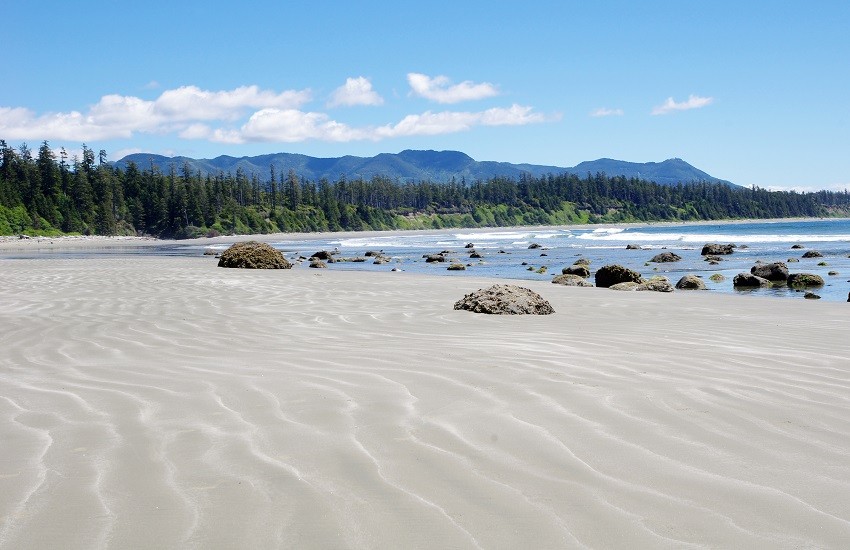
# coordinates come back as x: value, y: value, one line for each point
x: 323, y: 255
x: 665, y: 257
x: 812, y: 254
x: 714, y: 249
x: 776, y: 271
x: 656, y: 284
x: 690, y: 282
x: 608, y: 275
x: 432, y: 258
x: 505, y: 300
x: 803, y: 280
x: 253, y: 255
x: 568, y: 279
x: 745, y: 280
x: 580, y: 270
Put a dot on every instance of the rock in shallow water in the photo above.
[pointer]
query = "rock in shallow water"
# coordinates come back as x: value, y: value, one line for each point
x: 505, y: 300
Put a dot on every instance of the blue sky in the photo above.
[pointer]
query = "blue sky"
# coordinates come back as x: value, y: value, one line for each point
x: 754, y: 92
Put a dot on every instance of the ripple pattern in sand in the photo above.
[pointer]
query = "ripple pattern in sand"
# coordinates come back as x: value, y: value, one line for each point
x: 163, y: 402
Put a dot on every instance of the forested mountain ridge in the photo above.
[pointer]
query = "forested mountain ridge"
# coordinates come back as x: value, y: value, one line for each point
x: 46, y: 194
x: 411, y: 166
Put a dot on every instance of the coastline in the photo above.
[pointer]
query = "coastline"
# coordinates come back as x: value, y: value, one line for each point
x: 166, y: 402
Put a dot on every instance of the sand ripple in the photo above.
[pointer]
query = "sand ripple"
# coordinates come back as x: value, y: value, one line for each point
x: 166, y: 403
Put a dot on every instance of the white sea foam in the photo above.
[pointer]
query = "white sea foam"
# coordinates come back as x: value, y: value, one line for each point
x: 710, y: 237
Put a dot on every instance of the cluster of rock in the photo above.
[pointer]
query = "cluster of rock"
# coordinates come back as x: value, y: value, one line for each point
x: 253, y: 255
x: 505, y: 300
x: 765, y: 275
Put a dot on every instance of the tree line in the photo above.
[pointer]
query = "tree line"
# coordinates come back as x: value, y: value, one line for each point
x: 49, y: 194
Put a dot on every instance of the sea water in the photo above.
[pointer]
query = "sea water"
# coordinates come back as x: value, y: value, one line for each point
x: 506, y: 253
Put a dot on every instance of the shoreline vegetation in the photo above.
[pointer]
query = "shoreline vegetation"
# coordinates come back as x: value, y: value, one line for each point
x: 45, y: 194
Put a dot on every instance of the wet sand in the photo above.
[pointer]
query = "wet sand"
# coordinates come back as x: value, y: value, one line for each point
x: 162, y: 402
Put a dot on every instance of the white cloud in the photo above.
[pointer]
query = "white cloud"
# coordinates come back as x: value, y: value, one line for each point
x: 441, y: 90
x: 355, y: 91
x: 693, y: 102
x: 448, y: 122
x: 603, y: 112
x: 291, y: 125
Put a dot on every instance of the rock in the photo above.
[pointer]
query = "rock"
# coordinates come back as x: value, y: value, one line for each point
x: 381, y: 260
x: 505, y: 300
x: 793, y: 260
x: 713, y: 259
x: 776, y: 272
x: 743, y: 280
x: 665, y: 257
x: 655, y: 284
x: 718, y: 278
x: 370, y: 253
x: 322, y: 255
x: 628, y: 285
x: 475, y: 254
x: 469, y: 245
x: 633, y: 247
x: 690, y: 282
x: 532, y: 246
x: 715, y: 249
x: 318, y: 264
x: 582, y: 261
x: 431, y: 258
x: 253, y: 255
x: 542, y: 269
x: 803, y: 280
x: 812, y: 254
x: 608, y: 275
x: 797, y: 246
x: 568, y: 279
x: 832, y: 273
x: 580, y: 270
x: 210, y: 252
x: 456, y: 267
x: 811, y: 296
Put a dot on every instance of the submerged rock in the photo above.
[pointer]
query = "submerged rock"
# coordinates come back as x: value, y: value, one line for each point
x: 253, y: 255
x: 505, y: 300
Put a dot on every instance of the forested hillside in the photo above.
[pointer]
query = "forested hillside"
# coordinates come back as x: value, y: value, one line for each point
x: 47, y: 194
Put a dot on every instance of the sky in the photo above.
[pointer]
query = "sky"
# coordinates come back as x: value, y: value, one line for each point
x: 756, y: 92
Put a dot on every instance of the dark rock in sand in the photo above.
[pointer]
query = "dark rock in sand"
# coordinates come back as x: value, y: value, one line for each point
x: 776, y: 272
x: 568, y: 279
x: 803, y: 280
x: 812, y: 254
x: 580, y: 270
x: 253, y: 255
x: 608, y: 275
x: 714, y: 249
x: 744, y: 280
x: 690, y: 282
x: 665, y: 257
x: 505, y: 300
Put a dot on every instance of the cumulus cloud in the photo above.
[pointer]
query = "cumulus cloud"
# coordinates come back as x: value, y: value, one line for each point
x: 355, y: 91
x: 693, y: 102
x: 441, y: 90
x: 244, y: 114
x: 603, y: 112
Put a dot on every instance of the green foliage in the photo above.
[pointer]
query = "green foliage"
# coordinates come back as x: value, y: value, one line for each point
x: 43, y: 196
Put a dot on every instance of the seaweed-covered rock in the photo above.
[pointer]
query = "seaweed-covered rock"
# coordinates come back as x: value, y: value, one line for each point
x: 803, y: 280
x: 714, y: 249
x: 690, y: 282
x: 776, y: 271
x: 718, y: 278
x: 456, y: 267
x: 628, y: 285
x: 608, y: 275
x: 812, y: 254
x: 811, y: 296
x: 505, y: 300
x: 582, y: 261
x: 665, y: 257
x: 656, y: 284
x: 580, y: 270
x: 568, y: 279
x: 745, y: 280
x: 253, y: 255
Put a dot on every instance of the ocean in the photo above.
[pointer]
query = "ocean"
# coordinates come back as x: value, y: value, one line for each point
x: 506, y: 253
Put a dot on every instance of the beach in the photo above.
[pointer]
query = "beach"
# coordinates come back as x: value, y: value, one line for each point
x: 163, y: 402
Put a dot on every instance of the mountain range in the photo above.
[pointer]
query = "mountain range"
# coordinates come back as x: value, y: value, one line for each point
x: 410, y: 165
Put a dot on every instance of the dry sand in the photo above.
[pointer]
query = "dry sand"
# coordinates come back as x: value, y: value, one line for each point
x: 162, y: 402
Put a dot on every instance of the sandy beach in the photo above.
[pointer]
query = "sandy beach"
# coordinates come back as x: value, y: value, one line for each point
x: 163, y: 402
